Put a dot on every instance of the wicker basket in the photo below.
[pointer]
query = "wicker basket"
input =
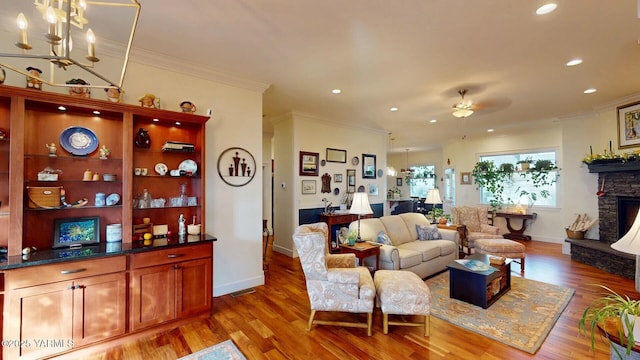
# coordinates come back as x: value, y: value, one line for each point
x: 46, y: 197
x: 575, y: 235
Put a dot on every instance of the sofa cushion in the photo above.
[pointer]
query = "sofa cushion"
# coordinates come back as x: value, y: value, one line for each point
x: 409, y: 257
x: 383, y: 238
x: 413, y: 219
x: 428, y: 232
x: 397, y: 230
x: 369, y: 229
x: 429, y: 250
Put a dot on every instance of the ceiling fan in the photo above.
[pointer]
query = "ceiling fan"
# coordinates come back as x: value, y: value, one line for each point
x: 463, y: 108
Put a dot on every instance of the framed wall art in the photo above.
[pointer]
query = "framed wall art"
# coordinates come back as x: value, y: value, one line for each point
x: 337, y: 178
x: 398, y: 181
x: 465, y: 178
x: 308, y: 163
x: 236, y: 166
x: 368, y: 166
x: 336, y: 155
x: 308, y: 187
x: 351, y: 180
x: 372, y: 189
x: 629, y: 125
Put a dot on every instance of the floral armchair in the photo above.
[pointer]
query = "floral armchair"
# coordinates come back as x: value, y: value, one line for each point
x: 342, y: 289
x: 476, y: 219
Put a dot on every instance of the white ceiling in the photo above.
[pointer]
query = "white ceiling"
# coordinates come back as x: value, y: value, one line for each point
x: 413, y: 54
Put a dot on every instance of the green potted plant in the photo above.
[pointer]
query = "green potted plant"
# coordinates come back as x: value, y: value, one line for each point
x: 488, y: 176
x: 438, y: 215
x: 507, y: 169
x: 525, y: 163
x: 612, y: 305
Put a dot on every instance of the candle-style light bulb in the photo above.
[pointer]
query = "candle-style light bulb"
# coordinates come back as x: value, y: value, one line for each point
x: 52, y: 20
x: 91, y: 49
x: 22, y: 25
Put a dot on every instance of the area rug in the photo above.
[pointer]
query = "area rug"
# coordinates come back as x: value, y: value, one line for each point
x: 226, y: 350
x: 521, y: 318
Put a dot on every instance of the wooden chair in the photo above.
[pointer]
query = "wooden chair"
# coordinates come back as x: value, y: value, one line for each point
x: 267, y: 247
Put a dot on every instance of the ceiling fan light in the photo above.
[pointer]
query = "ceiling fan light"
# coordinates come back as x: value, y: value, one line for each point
x: 462, y: 113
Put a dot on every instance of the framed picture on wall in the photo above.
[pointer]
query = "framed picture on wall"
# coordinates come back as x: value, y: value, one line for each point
x: 465, y: 178
x: 308, y: 163
x: 336, y: 155
x: 372, y: 189
x: 368, y: 166
x: 337, y: 178
x: 629, y: 125
x: 308, y: 187
x: 398, y: 181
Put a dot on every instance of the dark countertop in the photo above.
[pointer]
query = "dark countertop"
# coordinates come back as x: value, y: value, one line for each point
x: 51, y: 256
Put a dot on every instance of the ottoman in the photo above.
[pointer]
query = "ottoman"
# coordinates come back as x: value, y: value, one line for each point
x: 402, y: 293
x: 502, y: 247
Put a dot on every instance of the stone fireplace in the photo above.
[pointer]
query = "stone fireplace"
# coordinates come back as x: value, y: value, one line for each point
x: 617, y: 210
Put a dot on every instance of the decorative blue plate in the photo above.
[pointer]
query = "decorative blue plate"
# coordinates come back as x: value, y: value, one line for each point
x: 79, y: 140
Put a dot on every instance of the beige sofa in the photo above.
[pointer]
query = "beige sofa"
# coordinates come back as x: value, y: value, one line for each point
x: 423, y: 257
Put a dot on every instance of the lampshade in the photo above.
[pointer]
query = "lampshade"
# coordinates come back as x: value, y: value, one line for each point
x: 433, y: 197
x: 463, y: 113
x: 630, y: 242
x: 360, y: 204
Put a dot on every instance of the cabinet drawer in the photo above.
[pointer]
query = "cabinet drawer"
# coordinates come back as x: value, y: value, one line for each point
x: 44, y: 274
x: 168, y: 256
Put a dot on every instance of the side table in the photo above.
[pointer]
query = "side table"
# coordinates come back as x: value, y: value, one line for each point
x: 462, y: 230
x: 363, y: 250
x: 517, y: 234
x: 338, y: 219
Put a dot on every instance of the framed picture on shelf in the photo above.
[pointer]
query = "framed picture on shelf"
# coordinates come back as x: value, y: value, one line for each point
x: 308, y: 187
x: 308, y: 163
x: 76, y: 231
x: 398, y: 181
x: 337, y: 178
x: 336, y: 155
x: 465, y: 178
x: 629, y: 125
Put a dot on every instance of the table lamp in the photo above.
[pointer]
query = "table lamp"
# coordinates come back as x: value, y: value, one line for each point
x: 360, y: 206
x: 630, y: 243
x: 433, y: 198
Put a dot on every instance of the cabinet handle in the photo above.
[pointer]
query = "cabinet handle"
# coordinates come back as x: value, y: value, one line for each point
x: 65, y: 272
x: 173, y: 256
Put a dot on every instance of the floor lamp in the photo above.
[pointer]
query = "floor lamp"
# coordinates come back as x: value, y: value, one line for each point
x: 630, y: 243
x: 360, y: 206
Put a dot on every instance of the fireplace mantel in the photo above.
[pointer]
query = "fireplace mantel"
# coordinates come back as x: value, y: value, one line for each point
x: 613, y: 165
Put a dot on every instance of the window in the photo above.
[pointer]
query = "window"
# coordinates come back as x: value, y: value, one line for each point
x: 517, y: 189
x: 421, y: 180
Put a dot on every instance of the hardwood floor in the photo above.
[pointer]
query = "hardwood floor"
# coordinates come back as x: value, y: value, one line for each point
x: 271, y: 323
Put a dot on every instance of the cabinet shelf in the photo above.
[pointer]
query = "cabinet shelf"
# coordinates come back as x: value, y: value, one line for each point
x: 167, y: 176
x: 71, y: 157
x: 168, y: 207
x: 75, y: 208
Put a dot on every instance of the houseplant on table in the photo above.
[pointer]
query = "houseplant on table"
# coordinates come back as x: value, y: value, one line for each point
x: 612, y: 305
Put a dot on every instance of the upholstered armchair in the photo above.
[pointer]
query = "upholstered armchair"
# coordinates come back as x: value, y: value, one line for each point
x: 476, y: 220
x: 333, y: 260
x: 341, y: 289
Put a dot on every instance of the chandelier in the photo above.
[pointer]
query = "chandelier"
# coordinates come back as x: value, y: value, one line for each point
x: 65, y: 39
x: 463, y: 108
x: 408, y: 172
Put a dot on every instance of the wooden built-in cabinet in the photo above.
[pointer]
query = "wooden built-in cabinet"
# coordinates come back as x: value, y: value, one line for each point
x: 101, y: 295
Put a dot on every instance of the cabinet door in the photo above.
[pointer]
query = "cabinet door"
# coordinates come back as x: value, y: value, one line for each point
x: 38, y: 321
x: 99, y: 310
x: 193, y: 282
x: 153, y: 296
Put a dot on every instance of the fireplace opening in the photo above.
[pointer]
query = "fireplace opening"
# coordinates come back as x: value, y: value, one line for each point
x: 627, y: 210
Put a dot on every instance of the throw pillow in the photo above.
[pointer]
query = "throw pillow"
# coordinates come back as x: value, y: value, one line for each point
x: 383, y: 238
x: 428, y: 232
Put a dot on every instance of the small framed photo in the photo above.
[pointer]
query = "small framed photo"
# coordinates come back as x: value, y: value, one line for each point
x: 398, y: 181
x: 629, y: 125
x: 465, y: 178
x: 336, y: 155
x: 308, y: 163
x: 308, y: 187
x: 337, y: 178
x: 70, y: 232
x: 372, y: 189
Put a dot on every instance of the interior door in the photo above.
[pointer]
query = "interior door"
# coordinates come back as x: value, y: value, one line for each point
x: 449, y: 198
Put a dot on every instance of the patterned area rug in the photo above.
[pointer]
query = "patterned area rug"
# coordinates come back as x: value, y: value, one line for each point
x: 522, y: 317
x: 226, y: 350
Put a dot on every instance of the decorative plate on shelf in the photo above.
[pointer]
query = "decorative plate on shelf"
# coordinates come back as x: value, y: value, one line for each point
x: 79, y: 140
x: 161, y: 169
x: 189, y: 166
x: 112, y: 199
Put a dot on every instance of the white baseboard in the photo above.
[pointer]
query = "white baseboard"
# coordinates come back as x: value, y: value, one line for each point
x: 244, y: 284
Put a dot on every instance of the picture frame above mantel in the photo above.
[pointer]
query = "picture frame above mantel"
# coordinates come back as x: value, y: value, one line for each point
x: 629, y: 125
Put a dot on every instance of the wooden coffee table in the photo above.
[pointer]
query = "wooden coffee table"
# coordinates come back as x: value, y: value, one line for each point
x: 363, y: 250
x: 480, y: 288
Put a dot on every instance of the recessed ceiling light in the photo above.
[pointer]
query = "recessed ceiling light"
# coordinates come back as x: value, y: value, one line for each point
x: 490, y: 130
x: 178, y: 123
x: 62, y: 108
x: 336, y: 91
x: 545, y: 9
x: 155, y: 120
x: 574, y: 62
x: 96, y: 112
x: 393, y: 108
x: 433, y: 121
x: 590, y: 91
